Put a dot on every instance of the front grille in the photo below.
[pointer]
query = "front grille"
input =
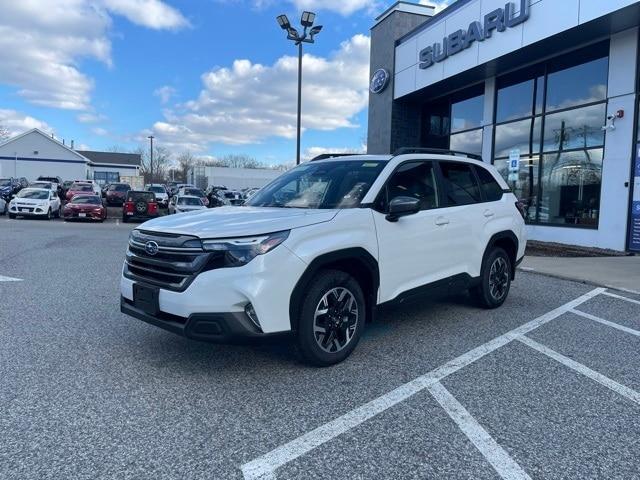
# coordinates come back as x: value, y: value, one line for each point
x: 173, y: 267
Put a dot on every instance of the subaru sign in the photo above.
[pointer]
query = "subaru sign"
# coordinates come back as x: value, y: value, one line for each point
x: 498, y: 20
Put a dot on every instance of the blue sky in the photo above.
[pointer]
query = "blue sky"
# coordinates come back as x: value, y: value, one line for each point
x: 209, y: 76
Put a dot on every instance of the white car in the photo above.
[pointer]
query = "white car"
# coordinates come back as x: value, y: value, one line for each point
x: 35, y: 202
x: 320, y: 248
x: 162, y: 196
x: 185, y: 203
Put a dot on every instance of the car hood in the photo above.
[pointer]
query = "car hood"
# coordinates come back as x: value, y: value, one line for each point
x: 30, y: 201
x: 237, y: 221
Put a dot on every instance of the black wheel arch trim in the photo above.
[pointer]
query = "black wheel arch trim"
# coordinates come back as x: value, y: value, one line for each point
x: 505, y: 235
x: 332, y: 260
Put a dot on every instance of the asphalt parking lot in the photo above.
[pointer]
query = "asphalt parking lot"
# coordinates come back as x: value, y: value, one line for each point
x: 545, y: 387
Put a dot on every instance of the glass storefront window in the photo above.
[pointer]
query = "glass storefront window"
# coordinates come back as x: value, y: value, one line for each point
x: 467, y: 114
x: 515, y: 101
x: 524, y: 183
x: 469, y: 142
x: 570, y: 186
x: 579, y: 85
x: 579, y: 128
x: 523, y: 135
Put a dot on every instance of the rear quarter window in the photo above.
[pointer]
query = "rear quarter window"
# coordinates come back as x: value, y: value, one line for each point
x: 489, y: 185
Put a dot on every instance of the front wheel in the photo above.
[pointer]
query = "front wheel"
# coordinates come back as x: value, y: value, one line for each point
x: 12, y: 216
x: 332, y: 318
x: 495, y: 280
x: 49, y: 214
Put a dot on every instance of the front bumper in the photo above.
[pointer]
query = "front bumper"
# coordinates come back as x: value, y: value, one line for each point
x: 36, y: 212
x: 88, y: 216
x: 205, y: 327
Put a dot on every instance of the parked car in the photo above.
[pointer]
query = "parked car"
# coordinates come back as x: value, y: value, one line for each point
x: 35, y: 202
x: 57, y: 181
x: 139, y: 205
x: 9, y: 186
x: 46, y: 185
x: 249, y: 192
x: 320, y: 248
x: 117, y: 193
x: 162, y: 196
x: 185, y: 203
x: 194, y: 192
x: 233, y: 197
x: 172, y: 188
x: 85, y: 207
x: 104, y: 189
x: 77, y: 188
x: 94, y: 185
x: 4, y: 206
x: 65, y: 188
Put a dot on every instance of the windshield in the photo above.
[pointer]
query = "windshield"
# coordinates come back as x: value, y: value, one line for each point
x: 5, y: 182
x: 192, y: 202
x: 41, y: 185
x: 119, y: 188
x: 193, y: 191
x: 156, y: 189
x: 33, y: 194
x: 325, y: 185
x: 81, y: 188
x: 88, y: 200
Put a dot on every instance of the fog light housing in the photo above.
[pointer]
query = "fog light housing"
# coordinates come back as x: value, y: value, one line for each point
x: 251, y: 313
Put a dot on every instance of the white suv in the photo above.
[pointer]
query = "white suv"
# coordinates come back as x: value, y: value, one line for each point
x: 321, y: 247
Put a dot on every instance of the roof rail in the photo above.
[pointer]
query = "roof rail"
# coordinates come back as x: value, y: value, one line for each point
x: 436, y: 151
x: 326, y: 156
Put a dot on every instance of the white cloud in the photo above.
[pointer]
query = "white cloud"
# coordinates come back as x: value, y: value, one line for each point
x: 439, y: 4
x: 100, y: 131
x: 148, y: 13
x: 343, y: 7
x: 18, y: 122
x: 165, y: 93
x: 41, y: 45
x: 88, y: 117
x: 247, y: 103
x: 313, y: 152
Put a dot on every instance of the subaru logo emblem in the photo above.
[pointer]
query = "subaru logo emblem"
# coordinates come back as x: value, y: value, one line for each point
x: 151, y: 248
x: 379, y: 81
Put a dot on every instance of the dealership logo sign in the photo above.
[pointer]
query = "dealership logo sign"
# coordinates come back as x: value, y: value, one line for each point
x: 379, y: 81
x: 499, y: 20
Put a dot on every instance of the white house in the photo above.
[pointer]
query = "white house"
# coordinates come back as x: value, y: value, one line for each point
x: 34, y: 153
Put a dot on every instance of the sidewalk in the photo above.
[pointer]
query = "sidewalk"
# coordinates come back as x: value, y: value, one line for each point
x: 622, y: 273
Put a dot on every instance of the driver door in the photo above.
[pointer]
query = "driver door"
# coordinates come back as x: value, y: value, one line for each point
x: 414, y: 250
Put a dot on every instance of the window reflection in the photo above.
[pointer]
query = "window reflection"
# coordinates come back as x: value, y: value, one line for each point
x: 524, y: 182
x: 523, y: 136
x: 469, y: 142
x: 515, y: 101
x: 467, y: 114
x: 579, y: 85
x: 579, y: 128
x: 571, y: 184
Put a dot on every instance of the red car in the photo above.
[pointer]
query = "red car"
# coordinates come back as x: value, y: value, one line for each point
x: 117, y: 193
x: 78, y: 188
x: 139, y: 205
x: 85, y: 207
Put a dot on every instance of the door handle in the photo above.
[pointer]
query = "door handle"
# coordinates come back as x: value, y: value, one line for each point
x: 489, y: 214
x: 442, y: 221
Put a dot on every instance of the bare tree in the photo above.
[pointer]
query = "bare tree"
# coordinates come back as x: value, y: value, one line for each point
x: 4, y: 133
x: 161, y: 163
x: 239, y: 161
x: 186, y: 161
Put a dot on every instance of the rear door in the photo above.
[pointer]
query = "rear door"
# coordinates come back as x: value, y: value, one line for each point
x: 413, y: 251
x: 465, y: 215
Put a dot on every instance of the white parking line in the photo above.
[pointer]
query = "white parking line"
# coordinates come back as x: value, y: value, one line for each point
x: 583, y: 369
x: 499, y: 459
x: 607, y: 323
x: 9, y: 279
x: 620, y: 297
x: 264, y: 467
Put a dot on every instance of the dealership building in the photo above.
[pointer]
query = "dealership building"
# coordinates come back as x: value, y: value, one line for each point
x: 545, y: 90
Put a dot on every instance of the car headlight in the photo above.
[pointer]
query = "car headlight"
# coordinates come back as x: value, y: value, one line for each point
x: 236, y: 252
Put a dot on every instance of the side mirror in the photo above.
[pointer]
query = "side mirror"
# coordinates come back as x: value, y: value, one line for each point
x: 402, y: 207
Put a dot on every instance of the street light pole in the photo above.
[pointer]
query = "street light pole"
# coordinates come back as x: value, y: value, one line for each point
x: 308, y: 36
x: 151, y: 137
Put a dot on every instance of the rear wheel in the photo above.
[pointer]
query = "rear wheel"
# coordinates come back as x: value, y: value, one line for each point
x: 332, y: 318
x: 495, y: 280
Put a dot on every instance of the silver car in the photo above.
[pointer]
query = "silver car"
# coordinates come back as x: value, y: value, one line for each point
x: 185, y: 203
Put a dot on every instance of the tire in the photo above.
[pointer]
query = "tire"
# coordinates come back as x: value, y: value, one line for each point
x: 334, y: 290
x: 124, y: 219
x: 12, y: 216
x: 49, y: 214
x: 495, y: 280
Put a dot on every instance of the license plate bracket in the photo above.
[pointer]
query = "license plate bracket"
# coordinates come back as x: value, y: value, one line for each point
x: 146, y: 299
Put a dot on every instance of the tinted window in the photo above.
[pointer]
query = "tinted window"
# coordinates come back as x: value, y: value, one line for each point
x: 523, y: 135
x: 467, y: 114
x: 468, y: 142
x: 460, y: 183
x: 586, y: 83
x: 415, y: 180
x: 515, y: 101
x: 193, y: 202
x: 490, y: 187
x: 580, y: 128
x: 87, y: 200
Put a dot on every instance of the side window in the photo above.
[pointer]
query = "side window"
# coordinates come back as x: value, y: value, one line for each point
x: 490, y: 187
x: 461, y: 185
x: 414, y: 179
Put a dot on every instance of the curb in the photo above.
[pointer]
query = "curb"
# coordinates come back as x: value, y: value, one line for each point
x: 577, y: 280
